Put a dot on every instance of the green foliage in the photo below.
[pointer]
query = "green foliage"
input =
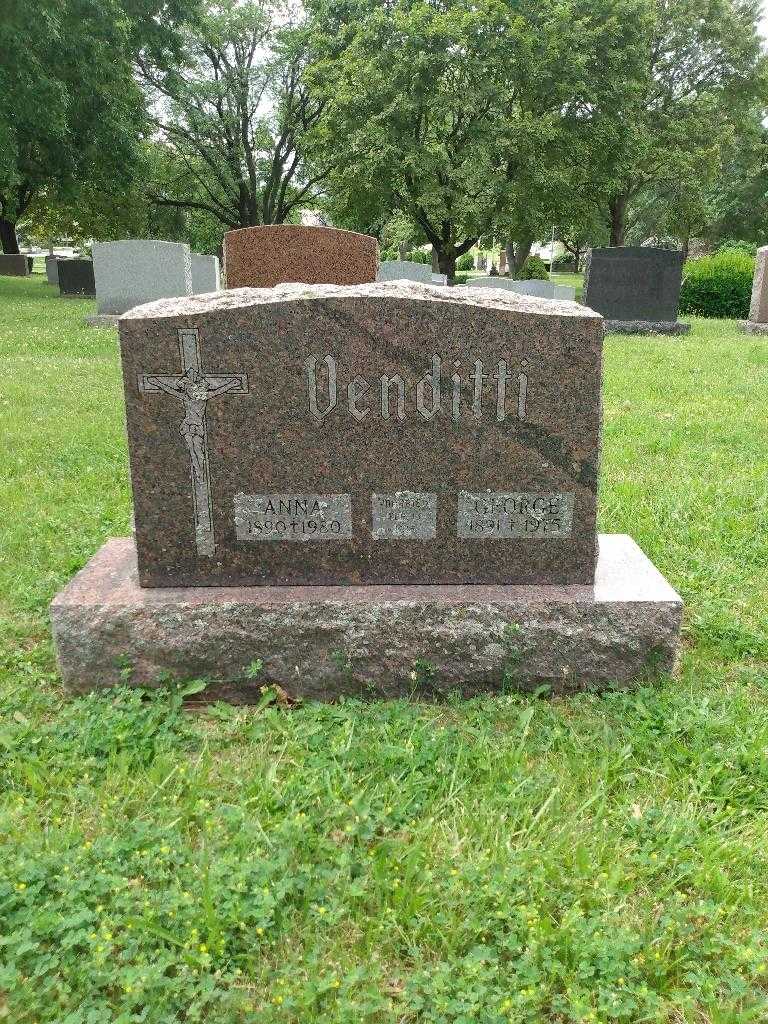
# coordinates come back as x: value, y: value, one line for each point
x: 534, y: 268
x: 73, y: 59
x: 237, y: 118
x: 501, y: 860
x: 705, y: 78
x: 718, y: 285
x: 465, y: 262
x: 420, y: 256
x: 738, y: 245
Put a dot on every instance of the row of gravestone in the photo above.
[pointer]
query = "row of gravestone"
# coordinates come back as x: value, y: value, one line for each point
x: 127, y: 273
x: 634, y: 288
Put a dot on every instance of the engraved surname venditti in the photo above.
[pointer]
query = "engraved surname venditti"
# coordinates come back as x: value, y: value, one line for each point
x: 293, y: 517
x: 500, y: 394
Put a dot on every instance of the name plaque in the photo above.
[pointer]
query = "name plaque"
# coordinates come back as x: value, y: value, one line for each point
x: 297, y: 517
x: 405, y: 515
x: 498, y: 515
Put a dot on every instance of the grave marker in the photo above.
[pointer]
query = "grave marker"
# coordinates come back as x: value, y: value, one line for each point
x: 347, y: 482
x: 636, y: 288
x: 262, y: 257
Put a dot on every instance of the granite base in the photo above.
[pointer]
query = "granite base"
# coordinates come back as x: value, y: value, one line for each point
x: 752, y: 327
x: 646, y: 327
x: 377, y: 641
x: 103, y: 320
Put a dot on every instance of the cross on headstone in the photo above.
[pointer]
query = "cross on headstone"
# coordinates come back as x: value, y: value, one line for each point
x: 194, y: 387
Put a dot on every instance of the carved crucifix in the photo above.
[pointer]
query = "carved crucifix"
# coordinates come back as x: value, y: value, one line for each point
x: 194, y: 387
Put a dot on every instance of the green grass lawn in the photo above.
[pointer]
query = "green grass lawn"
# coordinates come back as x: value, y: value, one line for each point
x: 598, y: 858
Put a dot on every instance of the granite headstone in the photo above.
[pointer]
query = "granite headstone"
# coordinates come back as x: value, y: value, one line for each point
x: 541, y: 289
x: 76, y: 279
x: 133, y: 271
x: 205, y: 274
x: 393, y: 433
x: 13, y: 266
x: 758, y: 307
x: 404, y: 270
x: 636, y: 288
x: 262, y: 257
x: 339, y: 447
x: 52, y: 269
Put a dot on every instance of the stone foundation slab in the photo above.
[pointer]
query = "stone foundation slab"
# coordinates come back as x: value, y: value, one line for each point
x: 373, y: 641
x: 752, y: 327
x: 646, y: 327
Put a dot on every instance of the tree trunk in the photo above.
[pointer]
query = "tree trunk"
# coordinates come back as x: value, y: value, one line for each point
x: 446, y: 264
x: 8, y: 240
x: 686, y: 247
x: 517, y: 253
x: 435, y: 261
x: 617, y: 222
x: 403, y: 248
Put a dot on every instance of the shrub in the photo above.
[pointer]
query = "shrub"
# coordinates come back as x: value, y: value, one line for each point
x: 719, y: 285
x: 534, y: 269
x: 419, y: 256
x: 465, y: 262
x: 460, y: 278
x: 750, y: 248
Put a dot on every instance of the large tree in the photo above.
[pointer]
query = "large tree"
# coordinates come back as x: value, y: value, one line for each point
x: 703, y: 70
x: 235, y: 115
x: 467, y: 117
x: 411, y: 94
x: 70, y: 110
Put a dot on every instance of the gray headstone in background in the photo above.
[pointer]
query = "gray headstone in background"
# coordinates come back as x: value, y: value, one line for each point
x: 404, y: 270
x: 13, y: 266
x: 493, y: 282
x: 205, y: 274
x: 52, y: 269
x: 634, y: 285
x: 545, y: 289
x: 134, y: 271
x: 439, y: 279
x: 758, y: 307
x: 541, y: 289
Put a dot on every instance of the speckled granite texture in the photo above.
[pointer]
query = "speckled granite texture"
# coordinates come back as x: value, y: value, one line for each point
x: 246, y: 427
x: 749, y: 327
x: 646, y: 327
x: 262, y: 257
x: 758, y: 307
x: 322, y: 642
x: 13, y: 265
x: 405, y: 270
x: 135, y: 270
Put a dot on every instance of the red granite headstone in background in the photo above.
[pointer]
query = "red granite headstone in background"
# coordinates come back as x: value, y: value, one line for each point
x: 272, y: 254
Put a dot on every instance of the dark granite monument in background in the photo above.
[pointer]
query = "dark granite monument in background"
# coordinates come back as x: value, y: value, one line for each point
x: 76, y: 279
x: 14, y: 265
x: 636, y: 288
x: 368, y: 477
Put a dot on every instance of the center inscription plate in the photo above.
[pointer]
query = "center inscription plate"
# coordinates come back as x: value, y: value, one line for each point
x: 381, y: 433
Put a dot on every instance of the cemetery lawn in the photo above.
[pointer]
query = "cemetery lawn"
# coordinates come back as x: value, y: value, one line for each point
x: 600, y: 858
